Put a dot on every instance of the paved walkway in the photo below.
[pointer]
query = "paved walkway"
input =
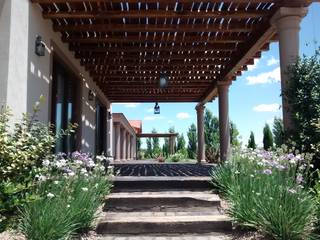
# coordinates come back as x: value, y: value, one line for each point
x: 152, y: 168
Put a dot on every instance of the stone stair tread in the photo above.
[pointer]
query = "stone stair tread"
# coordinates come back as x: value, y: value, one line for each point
x: 160, y: 178
x: 166, y: 219
x: 206, y: 195
x: 115, y: 215
x: 211, y: 236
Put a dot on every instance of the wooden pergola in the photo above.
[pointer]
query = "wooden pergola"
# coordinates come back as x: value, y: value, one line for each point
x: 125, y: 44
x: 200, y: 45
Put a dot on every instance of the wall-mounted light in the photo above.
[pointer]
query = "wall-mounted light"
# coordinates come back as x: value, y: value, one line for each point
x: 163, y: 80
x: 157, y: 109
x: 40, y: 47
x: 109, y: 115
x: 90, y: 95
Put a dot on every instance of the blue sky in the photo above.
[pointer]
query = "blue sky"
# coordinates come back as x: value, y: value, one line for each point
x: 254, y: 97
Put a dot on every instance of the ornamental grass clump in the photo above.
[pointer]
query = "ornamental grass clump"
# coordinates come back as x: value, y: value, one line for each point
x: 266, y: 191
x: 69, y: 198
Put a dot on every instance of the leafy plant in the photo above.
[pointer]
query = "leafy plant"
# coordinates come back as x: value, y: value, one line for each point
x: 177, y: 157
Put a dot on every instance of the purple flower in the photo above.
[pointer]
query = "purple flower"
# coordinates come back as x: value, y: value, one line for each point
x: 299, y: 179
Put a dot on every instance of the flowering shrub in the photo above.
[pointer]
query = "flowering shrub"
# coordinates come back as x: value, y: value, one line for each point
x: 69, y: 197
x: 267, y: 191
x: 22, y: 150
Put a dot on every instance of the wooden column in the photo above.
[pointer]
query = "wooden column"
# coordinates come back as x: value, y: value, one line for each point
x: 201, y: 155
x: 287, y: 22
x: 117, y: 141
x: 224, y: 126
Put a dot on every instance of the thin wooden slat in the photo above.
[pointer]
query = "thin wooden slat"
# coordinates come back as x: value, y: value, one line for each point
x: 155, y: 39
x: 129, y: 49
x: 233, y: 27
x: 240, y: 14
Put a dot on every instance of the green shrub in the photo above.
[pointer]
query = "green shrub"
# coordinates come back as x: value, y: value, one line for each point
x: 177, y: 157
x: 265, y: 192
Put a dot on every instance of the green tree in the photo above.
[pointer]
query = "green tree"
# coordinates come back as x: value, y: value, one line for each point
x: 192, y: 141
x: 304, y: 98
x: 149, y: 148
x: 181, y: 142
x: 211, y: 130
x: 234, y: 135
x: 267, y: 137
x: 251, y: 141
x: 278, y: 131
x: 156, y: 150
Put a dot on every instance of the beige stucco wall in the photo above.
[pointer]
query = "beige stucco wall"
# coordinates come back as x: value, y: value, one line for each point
x: 25, y: 76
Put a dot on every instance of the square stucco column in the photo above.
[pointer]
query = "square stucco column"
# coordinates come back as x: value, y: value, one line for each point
x: 201, y: 155
x: 14, y: 55
x: 117, y: 141
x: 133, y: 147
x: 287, y: 23
x: 109, y: 132
x: 224, y: 125
x: 124, y: 144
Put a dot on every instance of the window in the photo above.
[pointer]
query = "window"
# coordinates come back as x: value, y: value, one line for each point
x: 65, y: 105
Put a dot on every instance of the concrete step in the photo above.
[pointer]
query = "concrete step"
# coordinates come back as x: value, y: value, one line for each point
x: 139, y: 224
x: 207, y: 236
x: 192, y: 201
x: 161, y: 183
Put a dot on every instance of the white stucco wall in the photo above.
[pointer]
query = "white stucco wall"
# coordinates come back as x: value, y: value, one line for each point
x: 29, y: 75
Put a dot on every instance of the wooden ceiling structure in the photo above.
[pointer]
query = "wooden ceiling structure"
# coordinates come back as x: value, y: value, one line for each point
x: 126, y: 44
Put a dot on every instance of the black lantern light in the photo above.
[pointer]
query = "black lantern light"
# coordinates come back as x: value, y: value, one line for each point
x: 90, y: 95
x: 163, y: 80
x: 40, y: 48
x: 157, y: 109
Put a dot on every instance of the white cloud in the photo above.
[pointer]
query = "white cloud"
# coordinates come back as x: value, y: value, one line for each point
x: 152, y: 118
x: 170, y: 121
x: 150, y: 110
x: 183, y: 115
x: 266, y: 77
x: 129, y: 105
x: 274, y: 107
x: 254, y: 66
x: 272, y: 61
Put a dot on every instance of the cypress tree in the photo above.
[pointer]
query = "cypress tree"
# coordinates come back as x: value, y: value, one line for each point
x: 252, y: 142
x: 267, y: 137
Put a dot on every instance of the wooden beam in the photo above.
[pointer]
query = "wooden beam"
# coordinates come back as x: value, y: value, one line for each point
x: 155, y: 39
x: 150, y: 13
x: 131, y: 76
x: 232, y: 27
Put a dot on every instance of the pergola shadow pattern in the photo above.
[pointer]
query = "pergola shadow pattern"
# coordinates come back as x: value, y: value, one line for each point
x: 163, y: 170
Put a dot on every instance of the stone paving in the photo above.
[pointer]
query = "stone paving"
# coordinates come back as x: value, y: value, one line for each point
x: 135, y: 168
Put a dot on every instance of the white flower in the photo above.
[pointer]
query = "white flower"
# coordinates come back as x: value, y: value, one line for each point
x: 56, y: 182
x: 83, y: 171
x: 46, y: 163
x: 42, y: 178
x: 50, y: 195
x: 68, y: 206
x: 91, y: 164
x: 84, y: 189
x: 71, y: 174
x: 102, y: 168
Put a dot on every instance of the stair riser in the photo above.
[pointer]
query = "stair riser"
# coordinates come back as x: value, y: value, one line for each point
x: 159, y: 204
x: 163, y: 227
